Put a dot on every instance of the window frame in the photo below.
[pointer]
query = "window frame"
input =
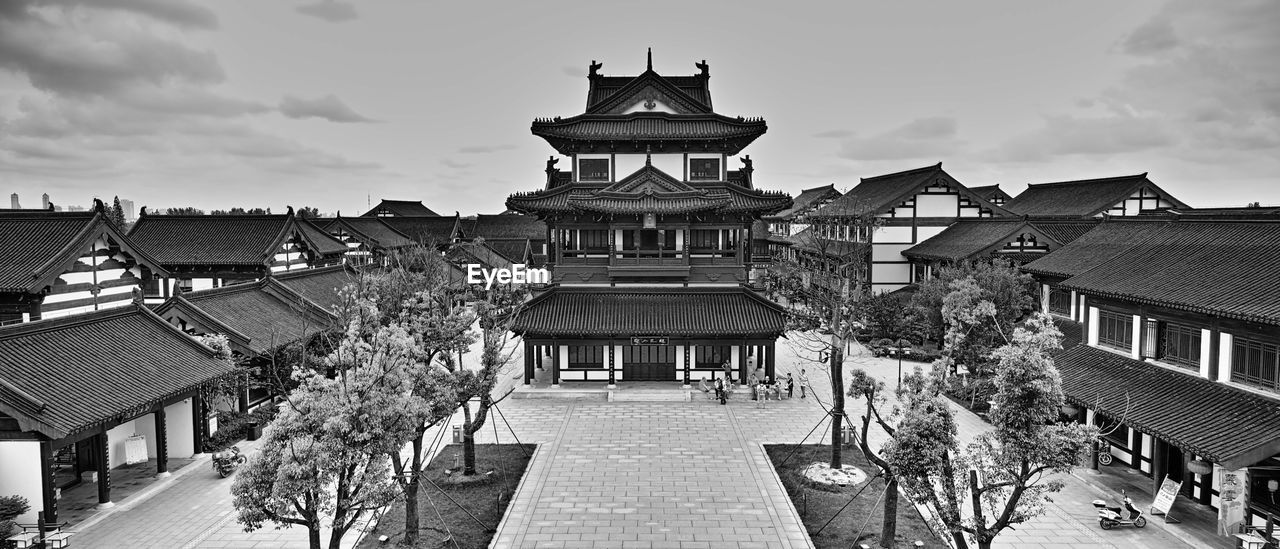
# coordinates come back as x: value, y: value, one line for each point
x: 709, y: 356
x: 586, y: 356
x: 1167, y: 332
x: 703, y: 175
x: 1265, y: 357
x: 1107, y: 319
x: 605, y: 178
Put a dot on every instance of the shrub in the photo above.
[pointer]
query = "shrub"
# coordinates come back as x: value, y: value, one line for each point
x: 233, y: 426
x: 972, y: 392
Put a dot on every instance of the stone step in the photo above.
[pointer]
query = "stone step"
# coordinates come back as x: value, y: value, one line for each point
x: 649, y: 396
x: 565, y: 395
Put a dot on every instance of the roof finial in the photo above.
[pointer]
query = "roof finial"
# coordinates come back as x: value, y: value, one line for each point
x: 649, y: 65
x: 648, y: 156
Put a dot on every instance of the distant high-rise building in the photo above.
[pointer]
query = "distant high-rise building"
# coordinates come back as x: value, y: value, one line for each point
x: 127, y: 206
x: 13, y: 202
x: 44, y: 201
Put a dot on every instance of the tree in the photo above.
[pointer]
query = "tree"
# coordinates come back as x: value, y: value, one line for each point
x: 10, y: 508
x: 887, y: 316
x: 1001, y: 471
x: 870, y: 389
x: 326, y: 460
x: 496, y: 310
x: 821, y: 286
x: 998, y: 282
x: 116, y: 213
x: 308, y: 212
x: 186, y: 210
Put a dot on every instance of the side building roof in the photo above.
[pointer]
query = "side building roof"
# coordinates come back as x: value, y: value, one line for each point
x: 38, y: 245
x: 1082, y: 198
x: 265, y: 314
x: 685, y: 312
x: 438, y: 231
x: 399, y: 208
x: 246, y: 240
x: 970, y: 238
x: 70, y: 374
x: 807, y: 200
x: 372, y: 231
x: 879, y: 194
x: 1110, y: 238
x: 320, y: 285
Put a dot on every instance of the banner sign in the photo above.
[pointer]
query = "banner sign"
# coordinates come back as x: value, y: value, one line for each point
x: 1231, y: 498
x: 1164, y: 499
x: 651, y: 340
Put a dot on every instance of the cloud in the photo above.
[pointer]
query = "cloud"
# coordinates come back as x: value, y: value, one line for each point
x: 575, y: 72
x: 485, y: 149
x: 920, y: 138
x: 1152, y: 37
x: 328, y: 107
x: 1101, y: 136
x: 329, y: 10
x: 833, y: 134
x: 454, y: 163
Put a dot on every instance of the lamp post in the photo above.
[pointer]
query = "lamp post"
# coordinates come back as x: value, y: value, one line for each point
x: 900, y: 347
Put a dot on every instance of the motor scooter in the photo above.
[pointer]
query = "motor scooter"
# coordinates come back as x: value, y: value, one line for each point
x: 226, y: 461
x: 1110, y: 517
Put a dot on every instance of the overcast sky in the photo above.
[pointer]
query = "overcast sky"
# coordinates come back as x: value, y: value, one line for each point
x: 333, y: 104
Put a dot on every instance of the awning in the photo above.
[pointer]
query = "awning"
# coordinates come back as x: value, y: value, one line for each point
x: 1228, y: 426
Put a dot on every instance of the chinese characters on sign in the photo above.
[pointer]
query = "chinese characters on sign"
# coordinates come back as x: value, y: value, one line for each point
x: 650, y: 340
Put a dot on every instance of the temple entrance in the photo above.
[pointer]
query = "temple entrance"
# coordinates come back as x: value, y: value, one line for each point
x: 648, y: 363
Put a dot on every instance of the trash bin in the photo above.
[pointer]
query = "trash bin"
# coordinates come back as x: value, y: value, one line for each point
x: 254, y: 430
x: 457, y: 434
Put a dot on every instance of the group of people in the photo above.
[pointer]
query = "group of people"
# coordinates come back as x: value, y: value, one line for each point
x: 762, y: 386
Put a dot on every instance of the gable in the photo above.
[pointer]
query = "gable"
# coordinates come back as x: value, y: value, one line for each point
x: 1146, y: 198
x: 940, y: 196
x: 648, y: 87
x: 650, y: 99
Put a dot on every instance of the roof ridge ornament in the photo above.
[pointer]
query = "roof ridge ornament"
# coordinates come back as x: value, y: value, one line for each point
x: 649, y: 62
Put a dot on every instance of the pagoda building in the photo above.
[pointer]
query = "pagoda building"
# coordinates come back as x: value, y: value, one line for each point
x: 649, y: 238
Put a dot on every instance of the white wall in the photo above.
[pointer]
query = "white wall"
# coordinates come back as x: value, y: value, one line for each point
x: 1093, y: 326
x: 927, y: 232
x: 895, y: 234
x: 627, y: 164
x: 1225, y: 342
x: 888, y: 252
x: 198, y: 284
x: 936, y: 205
x: 1205, y: 350
x: 1136, y: 350
x: 20, y: 474
x: 115, y: 443
x: 177, y: 421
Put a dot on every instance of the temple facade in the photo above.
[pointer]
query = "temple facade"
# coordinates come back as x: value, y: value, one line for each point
x: 648, y: 238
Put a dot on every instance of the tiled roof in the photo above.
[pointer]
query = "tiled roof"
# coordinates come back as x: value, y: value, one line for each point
x: 694, y: 312
x: 969, y: 238
x: 400, y: 208
x: 608, y: 91
x: 225, y: 239
x: 69, y: 374
x: 990, y: 192
x: 502, y: 226
x: 806, y: 241
x: 370, y: 230
x: 267, y: 312
x: 320, y: 285
x: 807, y: 199
x: 1108, y: 239
x: 1227, y: 426
x: 1084, y: 198
x: 878, y: 194
x: 427, y: 231
x: 477, y: 252
x: 38, y: 245
x: 650, y: 190
x: 649, y: 126
x: 513, y: 249
x: 1226, y: 268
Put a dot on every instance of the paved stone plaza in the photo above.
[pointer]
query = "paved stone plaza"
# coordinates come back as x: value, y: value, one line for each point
x: 624, y: 474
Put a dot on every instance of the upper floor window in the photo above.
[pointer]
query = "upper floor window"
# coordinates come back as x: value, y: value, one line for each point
x: 1115, y: 330
x: 1059, y: 301
x: 593, y: 169
x: 1255, y: 363
x: 1178, y: 344
x: 708, y: 356
x: 704, y: 169
x: 576, y: 242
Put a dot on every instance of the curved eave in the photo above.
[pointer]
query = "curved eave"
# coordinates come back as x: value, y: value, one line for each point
x: 634, y: 206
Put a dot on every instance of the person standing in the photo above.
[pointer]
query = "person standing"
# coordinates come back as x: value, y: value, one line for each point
x: 720, y: 391
x: 804, y: 382
x: 791, y: 386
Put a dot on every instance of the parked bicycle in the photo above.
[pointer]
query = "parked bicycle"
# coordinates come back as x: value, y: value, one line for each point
x: 1104, y: 452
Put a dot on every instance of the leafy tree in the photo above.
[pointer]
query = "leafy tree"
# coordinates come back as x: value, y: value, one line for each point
x: 821, y: 285
x: 998, y: 282
x: 186, y: 210
x: 10, y: 508
x: 496, y: 309
x: 887, y: 316
x: 1002, y: 472
x: 871, y: 390
x: 308, y: 212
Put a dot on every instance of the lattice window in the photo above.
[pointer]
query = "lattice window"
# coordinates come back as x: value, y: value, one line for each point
x: 1115, y: 330
x: 1180, y: 344
x: 593, y: 169
x: 586, y: 356
x: 704, y: 169
x: 708, y: 356
x: 1255, y: 363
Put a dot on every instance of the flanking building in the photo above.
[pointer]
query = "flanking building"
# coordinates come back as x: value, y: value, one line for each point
x: 369, y: 240
x: 210, y: 251
x: 63, y: 263
x: 1180, y: 316
x: 650, y: 234
x: 908, y: 208
x: 1124, y: 195
x: 83, y: 394
x: 1017, y: 239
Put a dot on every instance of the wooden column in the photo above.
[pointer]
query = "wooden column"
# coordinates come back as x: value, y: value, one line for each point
x: 162, y: 444
x: 555, y: 364
x: 613, y: 382
x: 1159, y: 457
x: 529, y: 350
x: 770, y: 367
x: 48, y: 490
x: 1215, y: 341
x: 104, y: 470
x: 686, y: 364
x: 197, y: 424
